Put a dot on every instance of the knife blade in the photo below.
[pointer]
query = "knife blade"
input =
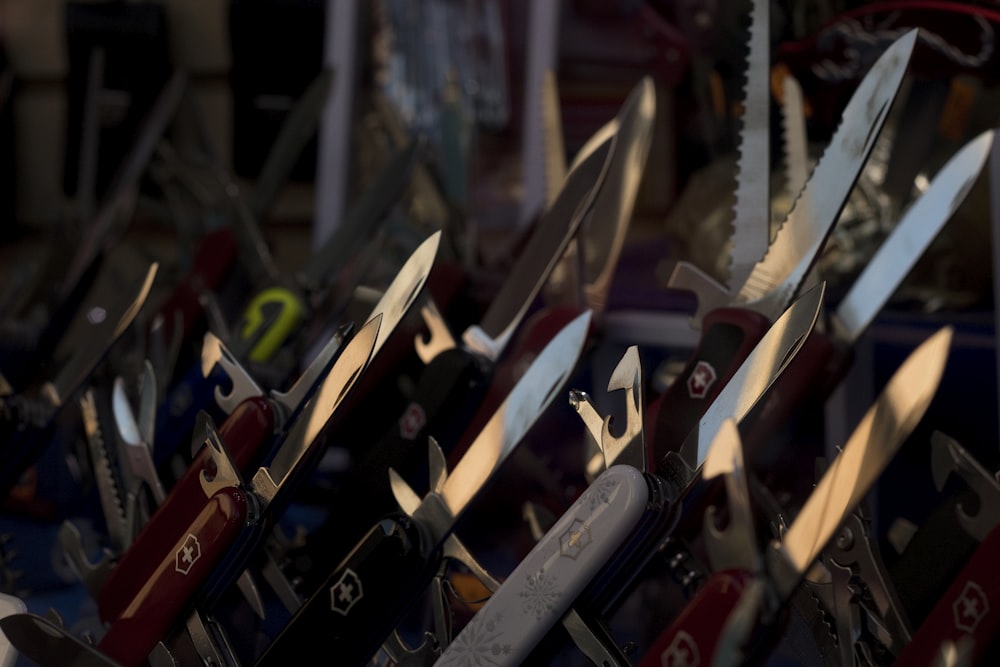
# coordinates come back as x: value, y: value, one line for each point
x: 611, y: 513
x: 452, y: 386
x: 730, y: 331
x: 751, y: 220
x: 229, y: 524
x: 912, y: 235
x: 366, y: 595
x: 778, y: 275
x: 25, y: 445
x: 828, y: 355
x: 870, y: 448
x: 247, y: 434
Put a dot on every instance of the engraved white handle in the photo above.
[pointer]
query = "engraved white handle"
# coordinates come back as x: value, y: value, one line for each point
x: 544, y: 586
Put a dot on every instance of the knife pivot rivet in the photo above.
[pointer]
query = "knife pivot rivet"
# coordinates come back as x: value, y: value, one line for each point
x: 845, y: 540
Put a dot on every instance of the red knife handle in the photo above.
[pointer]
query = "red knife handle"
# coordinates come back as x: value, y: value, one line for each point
x: 694, y: 635
x: 728, y: 337
x: 213, y: 260
x: 808, y: 380
x: 969, y: 610
x: 357, y: 607
x: 245, y: 433
x: 175, y: 578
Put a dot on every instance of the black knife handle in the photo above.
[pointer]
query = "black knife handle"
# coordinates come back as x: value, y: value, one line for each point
x: 359, y: 605
x: 728, y: 337
x: 450, y: 389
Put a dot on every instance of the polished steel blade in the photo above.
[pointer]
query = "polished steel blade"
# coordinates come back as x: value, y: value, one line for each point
x: 794, y: 138
x: 910, y: 238
x: 868, y: 451
x: 753, y: 378
x: 751, y: 220
x: 534, y: 265
x: 523, y: 406
x: 314, y: 416
x: 775, y: 279
x: 98, y: 340
x: 604, y: 233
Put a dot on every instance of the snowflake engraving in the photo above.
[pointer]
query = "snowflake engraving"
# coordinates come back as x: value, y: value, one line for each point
x: 478, y: 644
x: 540, y: 594
x: 600, y: 492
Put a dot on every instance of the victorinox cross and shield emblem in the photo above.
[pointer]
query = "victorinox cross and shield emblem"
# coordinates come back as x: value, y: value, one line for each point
x: 970, y: 607
x: 188, y: 554
x: 346, y: 592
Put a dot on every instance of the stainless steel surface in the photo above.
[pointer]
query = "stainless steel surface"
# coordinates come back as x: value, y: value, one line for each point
x: 100, y: 338
x: 948, y: 456
x: 867, y: 452
x: 764, y: 364
x: 438, y: 339
x: 107, y: 485
x: 302, y: 389
x: 526, y: 402
x: 536, y: 261
x: 629, y: 448
x: 138, y: 455
x: 214, y: 351
x: 794, y: 137
x: 49, y: 645
x: 775, y: 279
x: 912, y: 235
x: 314, y: 416
x: 604, y: 232
x: 751, y: 220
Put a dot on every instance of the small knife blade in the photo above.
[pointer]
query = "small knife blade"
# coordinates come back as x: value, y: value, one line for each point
x: 778, y: 275
x: 867, y: 452
x: 363, y: 599
x: 912, y: 235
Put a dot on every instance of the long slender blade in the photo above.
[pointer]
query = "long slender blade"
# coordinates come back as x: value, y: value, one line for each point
x: 776, y: 278
x: 537, y: 260
x: 762, y: 367
x: 552, y: 135
x: 314, y: 416
x: 911, y: 236
x: 604, y: 234
x: 393, y: 306
x: 98, y: 341
x: 751, y: 220
x: 523, y: 406
x: 868, y: 451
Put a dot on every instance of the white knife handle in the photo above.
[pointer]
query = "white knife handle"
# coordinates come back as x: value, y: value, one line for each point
x: 542, y: 588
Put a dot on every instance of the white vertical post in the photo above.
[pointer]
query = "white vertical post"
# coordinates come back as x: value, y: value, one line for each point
x: 543, y: 39
x: 332, y: 168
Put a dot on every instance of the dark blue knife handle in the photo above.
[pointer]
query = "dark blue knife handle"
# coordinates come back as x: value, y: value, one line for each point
x: 176, y: 416
x: 363, y: 600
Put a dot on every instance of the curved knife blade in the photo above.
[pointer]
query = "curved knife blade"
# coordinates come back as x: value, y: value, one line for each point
x: 776, y: 278
x: 45, y: 643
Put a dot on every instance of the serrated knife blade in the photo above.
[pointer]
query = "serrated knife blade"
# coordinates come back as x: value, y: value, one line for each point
x: 751, y: 220
x: 776, y: 278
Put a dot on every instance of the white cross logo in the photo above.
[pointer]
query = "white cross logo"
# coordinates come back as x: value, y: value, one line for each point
x: 188, y: 553
x: 346, y: 592
x: 701, y: 380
